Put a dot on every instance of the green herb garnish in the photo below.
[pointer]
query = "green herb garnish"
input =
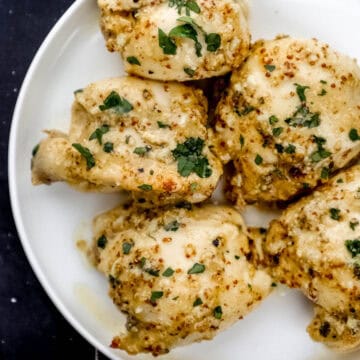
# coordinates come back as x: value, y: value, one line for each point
x: 213, y: 41
x: 218, y: 312
x: 335, y: 214
x: 162, y: 125
x: 145, y: 187
x: 277, y: 131
x: 325, y: 173
x: 99, y: 132
x: 117, y: 103
x: 354, y: 135
x: 270, y: 68
x: 86, y: 154
x: 133, y: 60
x: 102, y: 241
x: 108, y: 147
x: 156, y: 295
x: 168, y: 272
x: 354, y: 224
x: 190, y: 159
x: 353, y: 247
x: 126, y: 247
x: 166, y: 43
x: 35, y: 150
x: 258, y: 160
x: 189, y: 71
x: 141, y: 151
x: 197, y: 269
x: 172, y: 226
x: 197, y: 302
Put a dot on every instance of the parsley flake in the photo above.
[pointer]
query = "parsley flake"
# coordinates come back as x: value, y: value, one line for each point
x: 145, y: 187
x: 99, y: 132
x: 354, y: 135
x: 172, y: 226
x: 190, y: 159
x: 126, y: 247
x: 213, y: 42
x: 133, y: 60
x: 335, y: 214
x: 258, y: 160
x: 117, y: 103
x: 108, y: 147
x: 156, y: 295
x: 197, y: 269
x: 101, y: 242
x: 218, y: 312
x: 86, y: 154
x: 269, y: 67
x: 166, y: 43
x: 353, y: 247
x: 197, y: 302
x: 168, y: 272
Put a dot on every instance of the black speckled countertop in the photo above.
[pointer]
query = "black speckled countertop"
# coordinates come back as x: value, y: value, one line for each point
x: 30, y: 326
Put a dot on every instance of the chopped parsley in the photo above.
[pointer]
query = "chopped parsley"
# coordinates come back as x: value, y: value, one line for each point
x: 290, y: 149
x: 168, y: 272
x: 325, y: 173
x: 274, y: 284
x: 273, y: 120
x: 162, y: 125
x: 323, y: 82
x: 197, y: 302
x: 279, y: 148
x: 156, y: 295
x: 86, y: 154
x: 172, y: 226
x: 323, y: 92
x: 258, y: 160
x: 213, y: 41
x: 354, y: 135
x: 141, y: 151
x: 189, y: 71
x: 197, y: 269
x: 269, y: 67
x: 187, y: 31
x: 152, y: 272
x: 245, y: 111
x: 133, y: 60
x: 190, y: 159
x: 102, y: 241
x: 117, y: 103
x: 126, y: 247
x: 277, y: 131
x: 321, y: 152
x: 354, y: 224
x: 242, y: 141
x: 218, y: 312
x: 303, y: 116
x: 335, y: 214
x: 108, y: 147
x: 78, y: 91
x: 99, y: 132
x: 353, y: 247
x: 166, y: 43
x: 145, y: 187
x: 188, y: 5
x: 237, y: 257
x: 35, y: 150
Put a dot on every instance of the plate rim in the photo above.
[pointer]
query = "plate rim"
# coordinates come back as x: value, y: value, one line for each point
x: 14, y: 196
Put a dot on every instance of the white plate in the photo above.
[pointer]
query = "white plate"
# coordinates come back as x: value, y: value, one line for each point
x: 51, y: 219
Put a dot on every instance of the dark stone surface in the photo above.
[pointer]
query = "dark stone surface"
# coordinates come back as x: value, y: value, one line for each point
x: 30, y: 325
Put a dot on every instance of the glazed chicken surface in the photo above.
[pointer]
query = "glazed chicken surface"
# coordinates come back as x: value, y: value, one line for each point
x: 177, y: 40
x: 290, y: 118
x: 130, y: 134
x: 315, y: 246
x: 181, y: 275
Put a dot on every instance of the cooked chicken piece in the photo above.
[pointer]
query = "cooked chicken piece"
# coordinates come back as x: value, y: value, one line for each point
x: 181, y: 275
x: 177, y: 40
x: 143, y: 136
x: 290, y: 119
x: 315, y: 246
